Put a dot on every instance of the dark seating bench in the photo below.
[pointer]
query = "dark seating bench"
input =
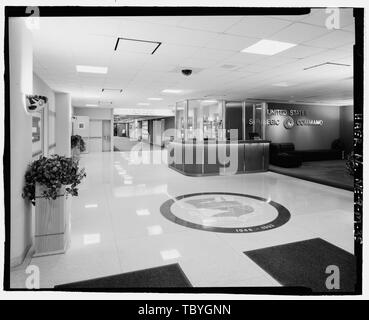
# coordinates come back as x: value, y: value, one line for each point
x: 285, y: 155
x: 319, y: 155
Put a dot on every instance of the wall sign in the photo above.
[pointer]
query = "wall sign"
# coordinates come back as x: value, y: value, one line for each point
x: 285, y: 112
x: 288, y: 122
x: 290, y: 118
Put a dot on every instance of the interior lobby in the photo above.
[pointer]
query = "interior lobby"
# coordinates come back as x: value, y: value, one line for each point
x: 217, y: 150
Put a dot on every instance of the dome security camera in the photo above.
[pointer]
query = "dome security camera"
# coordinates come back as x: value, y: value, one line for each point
x: 187, y: 72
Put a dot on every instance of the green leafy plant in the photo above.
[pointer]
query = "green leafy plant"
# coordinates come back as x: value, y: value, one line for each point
x: 52, y: 172
x: 77, y: 141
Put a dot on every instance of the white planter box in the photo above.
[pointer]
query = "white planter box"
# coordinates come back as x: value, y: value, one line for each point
x: 52, y: 223
x: 76, y: 153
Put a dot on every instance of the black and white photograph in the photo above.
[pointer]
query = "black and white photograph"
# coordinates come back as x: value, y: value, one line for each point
x: 183, y: 149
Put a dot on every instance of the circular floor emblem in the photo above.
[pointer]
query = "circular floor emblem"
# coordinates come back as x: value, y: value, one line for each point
x: 225, y: 212
x: 288, y: 122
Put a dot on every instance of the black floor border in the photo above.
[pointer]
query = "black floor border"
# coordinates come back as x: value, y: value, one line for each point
x: 69, y: 286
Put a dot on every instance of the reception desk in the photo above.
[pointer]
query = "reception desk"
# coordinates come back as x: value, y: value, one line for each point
x: 199, y: 158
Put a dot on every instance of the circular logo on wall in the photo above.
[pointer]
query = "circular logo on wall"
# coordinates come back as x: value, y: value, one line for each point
x: 288, y: 122
x: 225, y: 212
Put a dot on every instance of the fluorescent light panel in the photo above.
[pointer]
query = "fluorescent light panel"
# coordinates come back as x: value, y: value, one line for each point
x: 93, y: 205
x: 91, y: 69
x: 209, y: 101
x: 172, y: 91
x: 281, y: 84
x: 143, y: 104
x: 268, y: 47
x: 155, y: 99
x: 91, y: 105
x: 143, y: 212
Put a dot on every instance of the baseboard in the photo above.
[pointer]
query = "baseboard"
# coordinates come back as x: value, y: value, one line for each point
x: 23, y: 259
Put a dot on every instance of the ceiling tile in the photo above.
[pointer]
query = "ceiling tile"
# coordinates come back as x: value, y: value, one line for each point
x: 300, y: 52
x: 231, y: 42
x: 276, y: 61
x: 212, y: 54
x: 298, y: 33
x: 257, y: 27
x: 333, y: 39
x: 319, y: 17
x: 289, y: 17
x: 164, y: 20
x: 214, y: 24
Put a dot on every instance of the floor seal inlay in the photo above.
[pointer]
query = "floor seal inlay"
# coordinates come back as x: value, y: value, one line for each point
x: 225, y: 212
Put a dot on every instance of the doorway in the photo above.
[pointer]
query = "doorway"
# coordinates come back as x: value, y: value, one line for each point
x: 106, y: 136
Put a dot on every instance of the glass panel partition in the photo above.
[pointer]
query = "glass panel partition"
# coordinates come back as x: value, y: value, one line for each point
x: 212, y: 119
x: 180, y: 119
x: 194, y: 120
x: 234, y: 121
x: 199, y: 119
x: 249, y: 120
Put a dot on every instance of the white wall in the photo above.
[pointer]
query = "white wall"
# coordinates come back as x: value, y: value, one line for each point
x: 94, y: 113
x: 21, y: 78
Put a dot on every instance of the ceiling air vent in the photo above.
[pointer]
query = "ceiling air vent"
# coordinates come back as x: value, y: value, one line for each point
x: 137, y: 45
x: 105, y: 103
x: 327, y: 64
x: 106, y: 90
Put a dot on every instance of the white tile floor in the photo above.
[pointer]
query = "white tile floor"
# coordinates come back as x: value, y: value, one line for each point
x: 117, y: 226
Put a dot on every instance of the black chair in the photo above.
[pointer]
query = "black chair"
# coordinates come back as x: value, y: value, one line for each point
x: 283, y: 155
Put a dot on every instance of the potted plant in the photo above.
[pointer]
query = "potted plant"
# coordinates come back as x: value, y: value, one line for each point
x: 78, y: 146
x: 48, y: 182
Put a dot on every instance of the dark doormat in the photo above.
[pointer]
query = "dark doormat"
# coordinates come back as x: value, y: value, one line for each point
x: 304, y: 264
x: 169, y: 276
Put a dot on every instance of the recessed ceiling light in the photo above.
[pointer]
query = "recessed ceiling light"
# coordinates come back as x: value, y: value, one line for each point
x: 209, y: 101
x: 91, y: 105
x: 155, y: 99
x: 92, y: 205
x: 143, y: 104
x: 172, y: 91
x: 268, y: 47
x: 92, y: 69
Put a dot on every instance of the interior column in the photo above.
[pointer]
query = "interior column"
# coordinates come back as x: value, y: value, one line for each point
x: 63, y: 123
